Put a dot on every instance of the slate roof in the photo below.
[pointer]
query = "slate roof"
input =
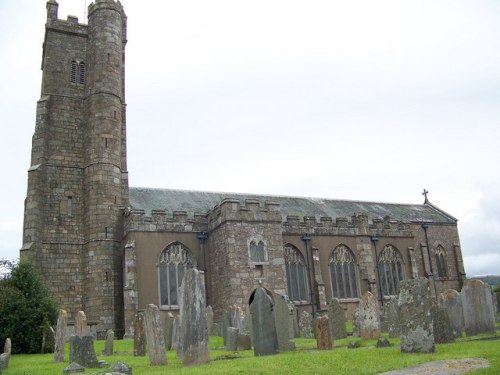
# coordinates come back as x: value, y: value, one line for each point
x: 201, y: 202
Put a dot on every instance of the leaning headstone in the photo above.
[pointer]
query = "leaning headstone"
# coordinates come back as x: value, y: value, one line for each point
x: 477, y: 303
x: 451, y: 300
x: 232, y: 338
x: 414, y: 303
x: 169, y: 324
x: 155, y: 338
x: 210, y: 320
x: 60, y: 336
x: 139, y: 335
x: 244, y: 341
x: 323, y: 334
x: 121, y: 368
x: 441, y: 326
x: 389, y: 318
x: 265, y: 341
x: 305, y: 323
x: 81, y: 351
x: 369, y: 317
x: 283, y: 316
x: 194, y: 330
x: 80, y: 323
x: 73, y: 368
x: 108, y: 346
x: 336, y: 315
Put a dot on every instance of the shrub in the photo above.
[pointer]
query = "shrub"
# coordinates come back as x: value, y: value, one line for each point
x: 26, y: 309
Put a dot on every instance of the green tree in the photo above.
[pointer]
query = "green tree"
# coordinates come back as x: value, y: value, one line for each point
x: 26, y: 309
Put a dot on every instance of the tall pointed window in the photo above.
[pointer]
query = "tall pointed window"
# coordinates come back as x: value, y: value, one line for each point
x: 74, y: 69
x: 296, y: 278
x: 343, y: 273
x: 390, y: 268
x: 77, y: 73
x: 257, y: 252
x: 441, y: 261
x: 175, y: 259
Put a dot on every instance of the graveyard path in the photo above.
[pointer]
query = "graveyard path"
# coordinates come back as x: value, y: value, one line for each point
x: 446, y: 367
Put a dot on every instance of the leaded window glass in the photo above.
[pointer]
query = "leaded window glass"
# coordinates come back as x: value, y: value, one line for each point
x: 175, y: 259
x: 390, y: 268
x: 257, y: 252
x: 441, y: 261
x: 295, y: 274
x: 343, y: 273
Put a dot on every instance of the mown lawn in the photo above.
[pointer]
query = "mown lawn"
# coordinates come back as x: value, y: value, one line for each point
x: 305, y: 360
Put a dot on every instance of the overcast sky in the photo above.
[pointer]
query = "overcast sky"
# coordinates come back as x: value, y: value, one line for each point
x: 360, y: 100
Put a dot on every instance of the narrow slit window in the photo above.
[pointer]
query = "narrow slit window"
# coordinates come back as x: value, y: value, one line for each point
x: 74, y: 66
x: 81, y: 73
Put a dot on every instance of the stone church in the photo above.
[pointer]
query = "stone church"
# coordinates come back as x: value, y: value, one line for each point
x: 111, y: 250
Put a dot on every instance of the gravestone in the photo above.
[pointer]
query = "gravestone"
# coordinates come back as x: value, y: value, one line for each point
x: 336, y: 316
x: 414, y: 304
x: 244, y: 341
x: 237, y: 318
x: 139, y: 335
x: 232, y: 338
x: 5, y: 356
x: 265, y: 341
x: 451, y: 300
x: 283, y: 316
x: 305, y: 323
x: 74, y: 368
x: 356, y: 331
x: 441, y: 326
x: 382, y: 342
x: 226, y: 322
x: 176, y: 332
x: 194, y: 331
x: 155, y: 338
x: 108, y: 346
x: 323, y: 333
x: 80, y: 323
x: 81, y: 351
x: 62, y: 320
x: 216, y: 327
x: 210, y: 320
x: 169, y: 324
x: 368, y: 317
x: 389, y: 318
x: 477, y: 304
x: 122, y: 368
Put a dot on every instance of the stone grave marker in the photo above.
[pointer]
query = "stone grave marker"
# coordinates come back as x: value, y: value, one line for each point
x: 232, y: 338
x: 139, y: 335
x: 477, y: 304
x: 336, y: 316
x: 244, y: 341
x: 108, y: 346
x: 414, y: 303
x: 226, y: 322
x: 122, y: 368
x: 73, y: 368
x: 176, y: 332
x: 194, y: 330
x: 369, y: 317
x: 389, y: 318
x: 210, y: 320
x: 451, y: 300
x: 81, y: 351
x: 155, y: 337
x: 80, y: 323
x: 169, y: 325
x: 283, y: 315
x: 323, y: 333
x: 305, y: 323
x: 5, y: 356
x: 265, y: 340
x: 441, y: 326
x: 62, y: 321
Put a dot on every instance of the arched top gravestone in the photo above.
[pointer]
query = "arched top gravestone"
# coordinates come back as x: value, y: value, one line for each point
x: 265, y: 340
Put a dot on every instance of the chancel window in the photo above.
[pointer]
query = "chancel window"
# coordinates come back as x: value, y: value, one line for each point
x: 390, y: 268
x: 441, y: 262
x: 175, y: 259
x: 257, y: 252
x: 343, y: 273
x: 295, y: 274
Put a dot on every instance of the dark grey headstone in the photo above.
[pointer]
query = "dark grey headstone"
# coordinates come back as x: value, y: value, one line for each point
x: 477, y: 303
x: 60, y: 336
x: 4, y: 361
x: 336, y: 315
x: 194, y: 330
x: 81, y: 351
x: 451, y: 300
x: 176, y: 334
x: 210, y: 320
x: 226, y: 322
x: 232, y: 338
x: 441, y: 326
x: 244, y: 341
x: 139, y: 335
x: 155, y: 337
x: 108, y: 346
x: 73, y: 368
x: 382, y: 342
x: 265, y: 340
x: 389, y: 317
x: 121, y: 368
x: 283, y: 315
x: 305, y: 324
x: 414, y: 303
x: 169, y: 324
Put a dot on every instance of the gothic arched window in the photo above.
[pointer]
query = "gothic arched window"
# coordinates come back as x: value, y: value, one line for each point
x: 74, y: 68
x: 77, y: 74
x: 175, y: 259
x: 343, y: 273
x: 441, y: 262
x: 295, y: 274
x: 390, y: 268
x: 257, y: 252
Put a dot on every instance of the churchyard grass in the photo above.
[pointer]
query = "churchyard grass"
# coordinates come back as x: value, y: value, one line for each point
x: 305, y: 360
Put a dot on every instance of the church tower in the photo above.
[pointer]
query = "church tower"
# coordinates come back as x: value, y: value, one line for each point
x: 78, y: 181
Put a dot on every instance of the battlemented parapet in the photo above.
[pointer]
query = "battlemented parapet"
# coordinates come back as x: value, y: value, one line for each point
x: 163, y: 221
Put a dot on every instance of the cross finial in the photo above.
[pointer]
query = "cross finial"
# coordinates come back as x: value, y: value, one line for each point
x: 424, y: 193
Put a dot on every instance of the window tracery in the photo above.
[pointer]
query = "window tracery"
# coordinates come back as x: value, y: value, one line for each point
x: 295, y: 274
x: 390, y: 267
x: 343, y: 273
